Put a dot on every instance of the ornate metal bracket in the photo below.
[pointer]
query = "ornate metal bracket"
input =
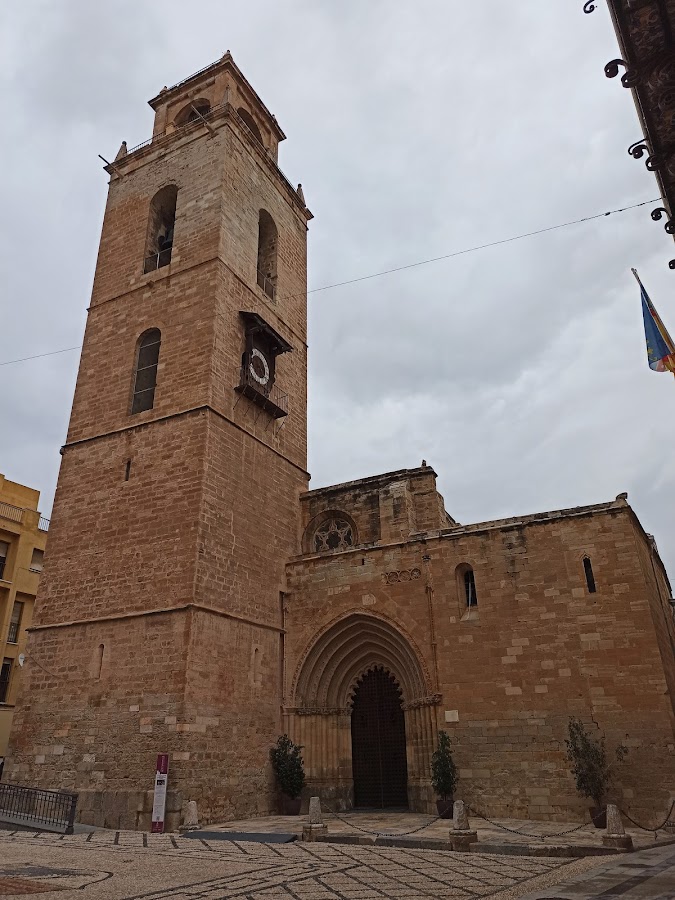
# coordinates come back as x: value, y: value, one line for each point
x: 589, y: 6
x: 612, y: 67
x: 629, y: 78
x: 638, y: 149
x: 671, y: 264
x: 658, y: 214
x: 654, y: 161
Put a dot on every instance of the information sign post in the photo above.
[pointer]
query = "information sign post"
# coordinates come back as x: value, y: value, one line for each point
x: 159, y: 803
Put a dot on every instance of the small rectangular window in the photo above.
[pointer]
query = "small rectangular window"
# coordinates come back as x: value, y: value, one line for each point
x: 4, y: 550
x: 5, y: 675
x: 37, y: 560
x: 15, y: 622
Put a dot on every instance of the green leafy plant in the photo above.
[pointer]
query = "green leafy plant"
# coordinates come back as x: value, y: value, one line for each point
x: 443, y: 770
x: 288, y: 766
x: 590, y: 766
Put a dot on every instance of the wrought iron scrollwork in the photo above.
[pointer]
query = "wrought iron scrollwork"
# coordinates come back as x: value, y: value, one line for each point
x: 653, y: 162
x: 638, y: 149
x: 671, y: 264
x: 612, y: 67
x: 657, y: 214
x: 629, y: 78
x: 589, y: 6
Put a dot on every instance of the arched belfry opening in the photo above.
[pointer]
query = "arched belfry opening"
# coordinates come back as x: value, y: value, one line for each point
x: 364, y: 709
x: 379, y: 764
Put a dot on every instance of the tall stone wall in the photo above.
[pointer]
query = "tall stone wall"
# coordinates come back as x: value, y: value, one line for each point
x: 537, y: 649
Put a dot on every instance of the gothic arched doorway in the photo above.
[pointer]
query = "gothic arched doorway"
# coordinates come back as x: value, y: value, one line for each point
x: 378, y: 742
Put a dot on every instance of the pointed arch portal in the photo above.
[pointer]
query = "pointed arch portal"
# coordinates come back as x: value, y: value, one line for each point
x: 363, y: 709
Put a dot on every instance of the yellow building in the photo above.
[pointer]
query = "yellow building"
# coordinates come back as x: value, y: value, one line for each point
x: 23, y: 535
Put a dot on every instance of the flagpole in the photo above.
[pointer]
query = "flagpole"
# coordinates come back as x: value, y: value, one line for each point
x: 637, y: 277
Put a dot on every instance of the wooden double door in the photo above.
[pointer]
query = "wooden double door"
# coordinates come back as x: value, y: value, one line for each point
x: 379, y: 763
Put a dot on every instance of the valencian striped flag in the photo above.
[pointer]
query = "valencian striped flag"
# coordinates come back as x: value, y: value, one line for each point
x: 660, y: 346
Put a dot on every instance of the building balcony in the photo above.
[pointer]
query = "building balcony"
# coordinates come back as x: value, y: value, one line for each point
x: 267, y: 397
x: 16, y: 514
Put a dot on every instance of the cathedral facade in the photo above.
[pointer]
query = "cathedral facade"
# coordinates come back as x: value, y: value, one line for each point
x: 198, y: 600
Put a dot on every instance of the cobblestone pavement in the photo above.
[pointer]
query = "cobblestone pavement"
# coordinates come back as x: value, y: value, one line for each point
x: 109, y: 865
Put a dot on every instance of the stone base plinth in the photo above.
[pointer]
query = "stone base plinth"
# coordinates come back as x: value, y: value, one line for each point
x: 314, y: 832
x: 618, y: 841
x: 460, y: 841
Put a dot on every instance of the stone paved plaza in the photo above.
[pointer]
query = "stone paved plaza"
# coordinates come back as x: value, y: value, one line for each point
x: 108, y: 865
x: 503, y: 831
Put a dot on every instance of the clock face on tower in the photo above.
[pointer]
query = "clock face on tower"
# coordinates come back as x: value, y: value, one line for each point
x: 259, y: 367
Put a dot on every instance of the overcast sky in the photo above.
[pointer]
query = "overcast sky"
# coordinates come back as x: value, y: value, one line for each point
x: 417, y: 129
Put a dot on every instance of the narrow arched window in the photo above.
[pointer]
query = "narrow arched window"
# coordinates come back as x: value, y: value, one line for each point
x: 466, y: 587
x: 161, y: 221
x: 268, y: 241
x: 470, y: 588
x: 145, y: 374
x: 588, y: 571
x: 249, y: 122
x: 99, y: 661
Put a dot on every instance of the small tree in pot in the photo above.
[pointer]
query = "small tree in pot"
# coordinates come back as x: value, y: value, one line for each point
x: 289, y: 771
x: 592, y: 771
x: 444, y: 775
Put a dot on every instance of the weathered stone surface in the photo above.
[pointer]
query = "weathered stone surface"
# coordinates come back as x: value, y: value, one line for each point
x: 460, y: 819
x: 615, y: 835
x: 315, y: 815
x: 189, y: 816
x: 314, y: 832
x: 614, y: 821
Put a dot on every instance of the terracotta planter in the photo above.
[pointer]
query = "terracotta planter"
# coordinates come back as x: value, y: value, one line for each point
x: 444, y: 807
x: 290, y: 806
x: 599, y: 816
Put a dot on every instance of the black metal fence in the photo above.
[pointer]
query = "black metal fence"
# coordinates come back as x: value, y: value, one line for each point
x: 36, y: 808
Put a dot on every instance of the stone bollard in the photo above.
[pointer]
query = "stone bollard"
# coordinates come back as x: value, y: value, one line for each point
x: 461, y: 836
x: 315, y: 829
x: 616, y: 836
x: 189, y: 816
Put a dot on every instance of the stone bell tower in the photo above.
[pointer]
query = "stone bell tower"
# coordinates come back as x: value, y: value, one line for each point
x: 158, y: 626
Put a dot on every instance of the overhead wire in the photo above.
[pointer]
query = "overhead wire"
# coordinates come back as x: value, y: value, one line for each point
x: 413, y: 265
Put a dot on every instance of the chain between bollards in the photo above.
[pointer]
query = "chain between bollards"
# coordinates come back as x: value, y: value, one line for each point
x: 650, y: 830
x: 541, y: 837
x: 380, y: 833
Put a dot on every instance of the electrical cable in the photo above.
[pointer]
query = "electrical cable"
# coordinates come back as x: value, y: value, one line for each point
x: 413, y: 265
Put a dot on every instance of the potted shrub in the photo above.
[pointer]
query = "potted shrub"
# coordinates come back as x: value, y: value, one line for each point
x: 590, y: 767
x: 444, y: 775
x: 289, y: 771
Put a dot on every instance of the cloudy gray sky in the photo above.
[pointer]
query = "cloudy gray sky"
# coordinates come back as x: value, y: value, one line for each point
x: 417, y: 129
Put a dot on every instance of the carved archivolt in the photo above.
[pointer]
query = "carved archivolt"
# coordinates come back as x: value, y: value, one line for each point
x: 402, y: 575
x: 344, y: 652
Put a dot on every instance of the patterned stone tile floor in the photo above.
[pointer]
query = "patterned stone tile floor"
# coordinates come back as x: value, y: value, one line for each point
x: 109, y: 865
x: 399, y: 823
